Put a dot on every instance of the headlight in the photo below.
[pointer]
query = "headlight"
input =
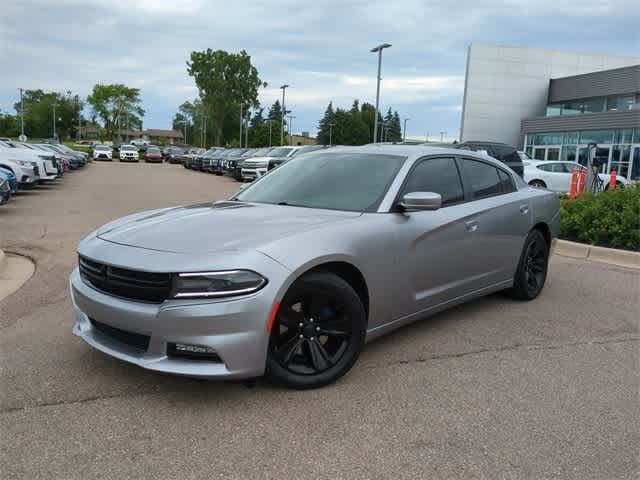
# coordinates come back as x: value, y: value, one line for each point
x: 217, y: 284
x: 23, y: 163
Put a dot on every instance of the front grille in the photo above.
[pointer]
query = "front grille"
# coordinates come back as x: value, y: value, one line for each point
x: 122, y: 282
x: 135, y: 340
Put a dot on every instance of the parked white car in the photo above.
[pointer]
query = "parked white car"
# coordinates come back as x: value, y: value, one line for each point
x: 255, y: 167
x: 102, y: 152
x: 24, y: 170
x: 44, y: 162
x: 138, y: 142
x: 129, y: 153
x: 556, y: 175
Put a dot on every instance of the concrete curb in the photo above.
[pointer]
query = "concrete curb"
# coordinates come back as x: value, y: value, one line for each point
x: 3, y: 261
x: 612, y: 256
x: 15, y: 270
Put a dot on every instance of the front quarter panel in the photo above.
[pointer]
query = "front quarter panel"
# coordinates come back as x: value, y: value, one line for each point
x: 367, y: 242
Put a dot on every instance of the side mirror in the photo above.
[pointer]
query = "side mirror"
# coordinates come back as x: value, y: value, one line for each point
x: 416, y: 201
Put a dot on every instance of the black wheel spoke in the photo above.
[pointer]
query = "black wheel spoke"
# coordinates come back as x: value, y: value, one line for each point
x: 290, y: 318
x: 319, y: 356
x: 333, y: 333
x: 288, y: 349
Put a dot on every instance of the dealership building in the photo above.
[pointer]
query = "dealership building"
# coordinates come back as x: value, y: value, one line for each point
x: 553, y: 104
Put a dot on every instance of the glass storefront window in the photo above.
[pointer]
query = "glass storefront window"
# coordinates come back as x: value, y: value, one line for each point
x: 620, y: 103
x: 572, y: 108
x: 548, y: 138
x: 622, y: 136
x: 596, y: 136
x: 571, y: 138
x: 554, y: 110
x: 568, y: 153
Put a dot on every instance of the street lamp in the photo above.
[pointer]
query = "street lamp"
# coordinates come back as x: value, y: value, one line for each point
x: 291, y: 117
x: 404, y: 131
x: 241, y: 122
x: 284, y: 111
x: 331, y: 125
x: 22, y: 137
x: 55, y: 135
x: 378, y: 49
x: 442, y: 134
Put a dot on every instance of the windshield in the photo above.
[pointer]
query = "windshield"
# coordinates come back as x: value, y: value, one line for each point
x: 262, y: 152
x: 101, y: 147
x: 153, y: 150
x: 307, y: 149
x: 236, y: 153
x: 280, y: 152
x: 337, y: 181
x: 128, y: 147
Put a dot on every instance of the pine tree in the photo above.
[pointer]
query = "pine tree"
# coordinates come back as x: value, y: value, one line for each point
x: 275, y: 112
x: 324, y: 128
x: 254, y: 125
x: 395, y: 129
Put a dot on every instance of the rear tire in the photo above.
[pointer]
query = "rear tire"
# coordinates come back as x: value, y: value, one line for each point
x: 532, y: 268
x: 318, y: 332
x: 538, y: 184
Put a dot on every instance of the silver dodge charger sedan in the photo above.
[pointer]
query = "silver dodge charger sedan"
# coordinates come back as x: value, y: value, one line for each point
x: 290, y: 276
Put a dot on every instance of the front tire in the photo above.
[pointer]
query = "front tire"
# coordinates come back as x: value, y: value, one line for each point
x: 318, y: 332
x: 532, y: 269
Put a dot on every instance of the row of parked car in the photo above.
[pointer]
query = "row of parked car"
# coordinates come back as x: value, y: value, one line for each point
x: 243, y: 164
x: 127, y: 153
x: 26, y: 165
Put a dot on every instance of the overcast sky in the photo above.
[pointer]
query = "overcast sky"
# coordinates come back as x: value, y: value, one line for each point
x: 320, y: 48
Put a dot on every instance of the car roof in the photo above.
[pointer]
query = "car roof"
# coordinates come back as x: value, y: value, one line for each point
x: 409, y: 151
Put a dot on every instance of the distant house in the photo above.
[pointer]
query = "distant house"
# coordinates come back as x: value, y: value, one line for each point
x: 89, y: 132
x: 163, y: 136
x: 303, y: 139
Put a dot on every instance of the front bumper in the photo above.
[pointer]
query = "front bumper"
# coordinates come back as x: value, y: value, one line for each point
x: 253, y: 173
x: 235, y: 328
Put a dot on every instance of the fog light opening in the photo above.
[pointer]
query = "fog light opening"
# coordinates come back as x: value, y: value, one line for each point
x: 193, y: 352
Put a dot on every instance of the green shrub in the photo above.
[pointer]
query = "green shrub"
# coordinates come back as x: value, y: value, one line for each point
x: 609, y: 219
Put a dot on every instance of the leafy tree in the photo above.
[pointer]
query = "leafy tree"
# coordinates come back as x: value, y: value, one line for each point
x: 187, y: 114
x: 368, y: 113
x: 38, y: 113
x: 255, y: 124
x: 225, y: 81
x: 9, y: 125
x: 116, y: 105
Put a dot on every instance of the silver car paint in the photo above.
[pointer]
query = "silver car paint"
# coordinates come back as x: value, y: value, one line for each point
x: 413, y: 263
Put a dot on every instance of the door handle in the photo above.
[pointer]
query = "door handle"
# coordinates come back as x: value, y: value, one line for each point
x: 471, y: 225
x: 524, y: 209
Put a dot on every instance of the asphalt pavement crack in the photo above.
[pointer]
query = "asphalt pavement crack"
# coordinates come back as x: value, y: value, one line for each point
x: 506, y: 348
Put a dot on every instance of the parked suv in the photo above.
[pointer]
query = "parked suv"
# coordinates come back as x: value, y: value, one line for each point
x: 500, y: 151
x: 129, y: 153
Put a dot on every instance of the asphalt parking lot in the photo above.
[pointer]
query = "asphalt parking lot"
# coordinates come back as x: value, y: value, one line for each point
x: 491, y: 389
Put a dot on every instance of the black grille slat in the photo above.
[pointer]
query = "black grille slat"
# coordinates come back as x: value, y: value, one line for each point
x: 129, y: 284
x: 135, y: 340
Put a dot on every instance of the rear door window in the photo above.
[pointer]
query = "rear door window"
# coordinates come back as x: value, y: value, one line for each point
x: 482, y: 177
x: 438, y: 175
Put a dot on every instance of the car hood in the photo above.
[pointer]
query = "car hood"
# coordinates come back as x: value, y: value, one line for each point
x: 217, y: 226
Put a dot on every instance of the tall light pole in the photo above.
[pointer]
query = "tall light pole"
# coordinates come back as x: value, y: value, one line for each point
x: 22, y: 138
x: 378, y: 49
x: 404, y: 130
x: 246, y: 130
x: 290, y: 130
x: 331, y: 125
x: 55, y: 135
x: 270, y: 126
x: 442, y: 134
x: 79, y: 119
x: 284, y: 112
x: 241, y: 122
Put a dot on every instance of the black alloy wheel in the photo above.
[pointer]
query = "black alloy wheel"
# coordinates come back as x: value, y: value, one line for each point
x: 318, y: 332
x: 532, y: 270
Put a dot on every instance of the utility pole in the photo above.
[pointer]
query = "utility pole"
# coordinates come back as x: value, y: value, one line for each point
x: 55, y: 135
x: 404, y: 131
x: 290, y: 129
x: 204, y: 131
x: 241, y: 122
x: 270, y: 125
x: 331, y: 125
x: 284, y: 112
x: 79, y: 136
x: 246, y: 131
x: 22, y: 137
x: 378, y: 49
